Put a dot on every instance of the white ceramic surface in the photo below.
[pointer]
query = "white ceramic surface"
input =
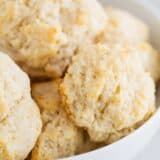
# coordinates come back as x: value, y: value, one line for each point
x: 151, y: 151
x: 128, y: 147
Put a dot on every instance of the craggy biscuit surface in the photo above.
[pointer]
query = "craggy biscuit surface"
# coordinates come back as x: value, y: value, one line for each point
x: 106, y: 95
x: 21, y: 126
x: 14, y: 84
x: 43, y: 35
x: 125, y: 27
x: 20, y: 130
x: 106, y: 69
x: 60, y: 137
x: 150, y: 59
x: 84, y: 83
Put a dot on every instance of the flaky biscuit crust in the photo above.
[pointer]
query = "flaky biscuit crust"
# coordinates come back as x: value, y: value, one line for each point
x: 43, y: 35
x: 107, y: 96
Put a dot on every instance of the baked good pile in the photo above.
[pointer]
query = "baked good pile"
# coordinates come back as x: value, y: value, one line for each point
x: 75, y: 76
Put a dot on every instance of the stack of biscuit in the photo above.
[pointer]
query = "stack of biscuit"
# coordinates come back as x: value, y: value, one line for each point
x: 93, y: 77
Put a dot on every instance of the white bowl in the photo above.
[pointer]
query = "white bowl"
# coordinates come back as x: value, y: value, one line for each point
x: 128, y: 147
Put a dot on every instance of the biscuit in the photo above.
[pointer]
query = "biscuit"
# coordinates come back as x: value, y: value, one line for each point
x: 106, y: 94
x: 14, y: 84
x: 59, y: 138
x: 150, y: 59
x: 84, y: 82
x: 20, y: 123
x: 122, y: 26
x: 42, y: 36
x: 47, y: 95
x: 134, y: 36
x: 20, y: 130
